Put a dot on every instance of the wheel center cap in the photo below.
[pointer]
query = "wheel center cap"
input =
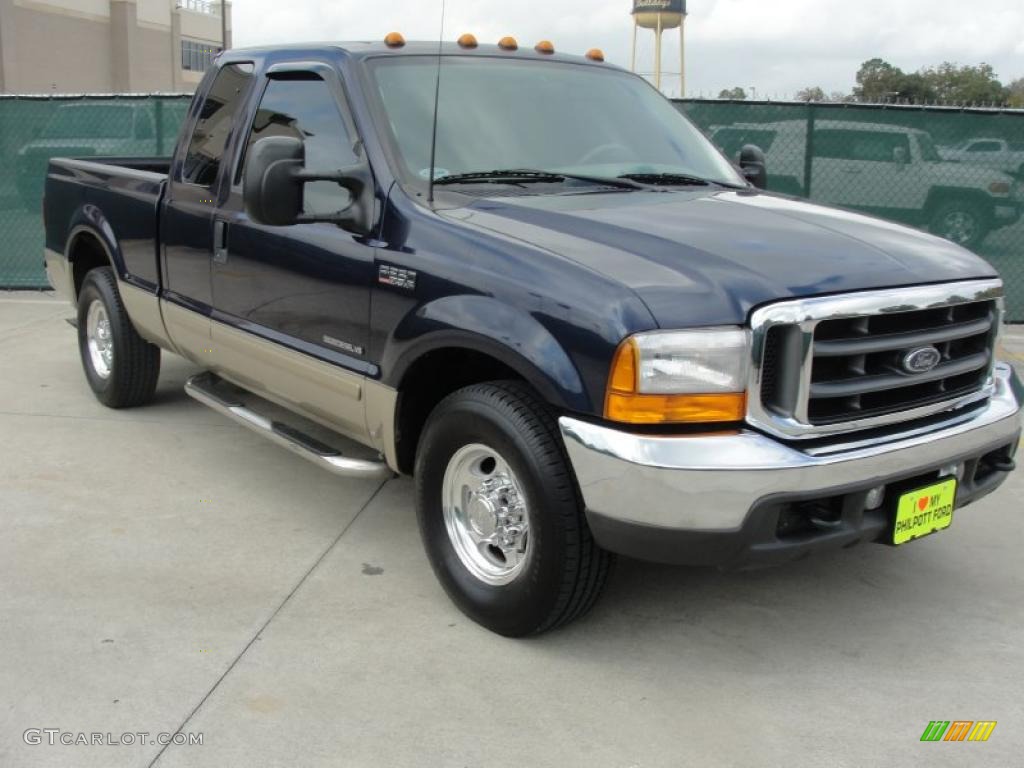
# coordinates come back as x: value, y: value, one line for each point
x: 482, y: 515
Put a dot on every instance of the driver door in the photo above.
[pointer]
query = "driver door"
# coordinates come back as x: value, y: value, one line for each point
x: 292, y: 303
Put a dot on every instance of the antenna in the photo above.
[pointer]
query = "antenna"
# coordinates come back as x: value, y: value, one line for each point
x: 437, y: 96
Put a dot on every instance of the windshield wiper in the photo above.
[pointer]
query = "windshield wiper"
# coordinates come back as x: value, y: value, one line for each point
x: 667, y: 179
x: 677, y: 180
x: 531, y: 176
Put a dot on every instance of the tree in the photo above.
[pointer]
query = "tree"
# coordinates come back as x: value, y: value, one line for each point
x: 1015, y: 93
x: 732, y: 93
x: 916, y: 88
x: 965, y: 84
x: 878, y: 81
x: 814, y: 93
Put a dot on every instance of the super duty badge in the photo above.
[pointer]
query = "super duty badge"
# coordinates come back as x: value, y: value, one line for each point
x: 397, y: 277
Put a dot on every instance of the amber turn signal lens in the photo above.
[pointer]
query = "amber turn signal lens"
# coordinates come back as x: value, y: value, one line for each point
x: 595, y: 54
x: 394, y: 40
x: 508, y: 44
x: 544, y: 46
x: 467, y: 41
x: 623, y: 377
x: 674, y: 409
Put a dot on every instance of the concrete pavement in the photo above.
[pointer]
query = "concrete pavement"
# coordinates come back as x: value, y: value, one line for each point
x: 164, y: 569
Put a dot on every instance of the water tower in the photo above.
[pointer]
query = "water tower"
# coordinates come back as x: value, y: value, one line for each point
x: 659, y: 15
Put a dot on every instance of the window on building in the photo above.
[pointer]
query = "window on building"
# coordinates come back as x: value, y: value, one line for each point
x: 209, y: 7
x: 306, y: 109
x: 202, y: 162
x: 196, y: 56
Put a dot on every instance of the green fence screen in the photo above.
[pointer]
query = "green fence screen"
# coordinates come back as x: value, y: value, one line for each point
x: 957, y: 173
x: 34, y: 129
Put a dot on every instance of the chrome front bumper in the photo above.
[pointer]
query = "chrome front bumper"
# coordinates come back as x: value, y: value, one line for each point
x: 711, y: 483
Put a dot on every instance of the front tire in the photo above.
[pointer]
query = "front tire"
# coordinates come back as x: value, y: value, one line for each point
x: 961, y: 222
x: 500, y: 514
x: 121, y: 367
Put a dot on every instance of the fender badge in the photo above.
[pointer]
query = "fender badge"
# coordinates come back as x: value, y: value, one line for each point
x: 396, y: 277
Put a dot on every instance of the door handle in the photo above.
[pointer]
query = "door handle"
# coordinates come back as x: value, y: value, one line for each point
x: 220, y: 241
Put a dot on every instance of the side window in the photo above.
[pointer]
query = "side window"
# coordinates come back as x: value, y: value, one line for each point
x: 834, y: 144
x: 879, y: 147
x: 306, y: 109
x: 206, y: 148
x: 984, y: 146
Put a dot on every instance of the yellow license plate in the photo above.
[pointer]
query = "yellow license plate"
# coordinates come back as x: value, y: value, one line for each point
x: 924, y: 511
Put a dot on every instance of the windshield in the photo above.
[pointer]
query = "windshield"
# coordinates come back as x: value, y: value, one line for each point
x: 90, y: 121
x: 503, y: 114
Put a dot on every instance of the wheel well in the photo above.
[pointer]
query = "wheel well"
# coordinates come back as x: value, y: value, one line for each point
x: 940, y: 197
x: 431, y: 379
x: 86, y: 254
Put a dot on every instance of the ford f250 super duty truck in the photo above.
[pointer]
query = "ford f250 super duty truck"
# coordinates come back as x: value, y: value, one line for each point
x: 578, y: 326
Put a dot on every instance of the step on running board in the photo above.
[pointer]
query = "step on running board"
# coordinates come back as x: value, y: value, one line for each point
x: 202, y: 387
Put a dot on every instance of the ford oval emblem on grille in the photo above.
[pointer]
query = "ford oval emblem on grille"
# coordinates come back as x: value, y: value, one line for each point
x: 921, y: 360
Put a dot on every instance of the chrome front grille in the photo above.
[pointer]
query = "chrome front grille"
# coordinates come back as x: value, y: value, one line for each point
x: 841, y: 363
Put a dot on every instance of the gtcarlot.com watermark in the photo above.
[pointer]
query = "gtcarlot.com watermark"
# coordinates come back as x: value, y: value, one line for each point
x: 56, y: 736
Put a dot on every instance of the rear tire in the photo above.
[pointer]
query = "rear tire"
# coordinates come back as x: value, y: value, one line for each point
x: 121, y: 367
x: 491, y: 467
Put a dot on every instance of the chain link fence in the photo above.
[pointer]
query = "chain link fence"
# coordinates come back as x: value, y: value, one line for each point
x: 958, y: 173
x: 34, y: 129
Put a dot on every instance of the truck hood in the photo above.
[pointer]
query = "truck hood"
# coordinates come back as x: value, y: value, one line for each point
x: 707, y: 257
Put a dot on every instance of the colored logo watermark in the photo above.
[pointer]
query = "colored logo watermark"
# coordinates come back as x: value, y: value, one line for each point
x: 958, y: 730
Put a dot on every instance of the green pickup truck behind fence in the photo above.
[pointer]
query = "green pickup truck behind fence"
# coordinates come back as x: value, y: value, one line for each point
x: 956, y: 172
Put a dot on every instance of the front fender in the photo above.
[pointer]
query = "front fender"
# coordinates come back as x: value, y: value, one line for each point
x: 486, y: 325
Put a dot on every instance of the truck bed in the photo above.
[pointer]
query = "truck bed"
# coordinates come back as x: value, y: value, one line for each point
x: 125, y: 192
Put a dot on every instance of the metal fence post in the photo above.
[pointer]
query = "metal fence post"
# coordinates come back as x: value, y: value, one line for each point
x: 809, y: 149
x: 158, y: 116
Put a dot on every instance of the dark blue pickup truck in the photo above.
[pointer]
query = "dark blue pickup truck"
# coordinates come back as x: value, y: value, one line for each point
x: 527, y: 280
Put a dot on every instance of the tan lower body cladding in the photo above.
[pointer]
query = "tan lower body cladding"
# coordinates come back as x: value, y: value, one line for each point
x: 359, y: 408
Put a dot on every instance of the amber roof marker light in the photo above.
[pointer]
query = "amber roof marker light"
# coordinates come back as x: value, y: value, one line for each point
x: 544, y: 46
x: 394, y: 40
x: 595, y: 54
x: 467, y: 41
x: 508, y: 43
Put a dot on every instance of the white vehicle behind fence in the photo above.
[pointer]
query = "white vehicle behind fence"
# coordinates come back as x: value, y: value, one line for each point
x: 1000, y: 154
x: 109, y: 128
x: 886, y: 170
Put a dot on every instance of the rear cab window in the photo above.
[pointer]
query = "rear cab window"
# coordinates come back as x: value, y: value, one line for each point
x: 216, y: 118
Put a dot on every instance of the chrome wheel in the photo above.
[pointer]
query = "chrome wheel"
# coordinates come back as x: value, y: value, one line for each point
x: 486, y: 514
x: 959, y: 226
x: 101, y: 343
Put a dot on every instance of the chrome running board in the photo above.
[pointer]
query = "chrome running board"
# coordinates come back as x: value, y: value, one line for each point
x: 202, y: 388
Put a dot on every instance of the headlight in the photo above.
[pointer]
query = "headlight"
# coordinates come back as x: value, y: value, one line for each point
x: 679, y: 376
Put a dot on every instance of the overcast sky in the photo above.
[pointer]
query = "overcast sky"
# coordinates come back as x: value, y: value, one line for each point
x: 777, y: 46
